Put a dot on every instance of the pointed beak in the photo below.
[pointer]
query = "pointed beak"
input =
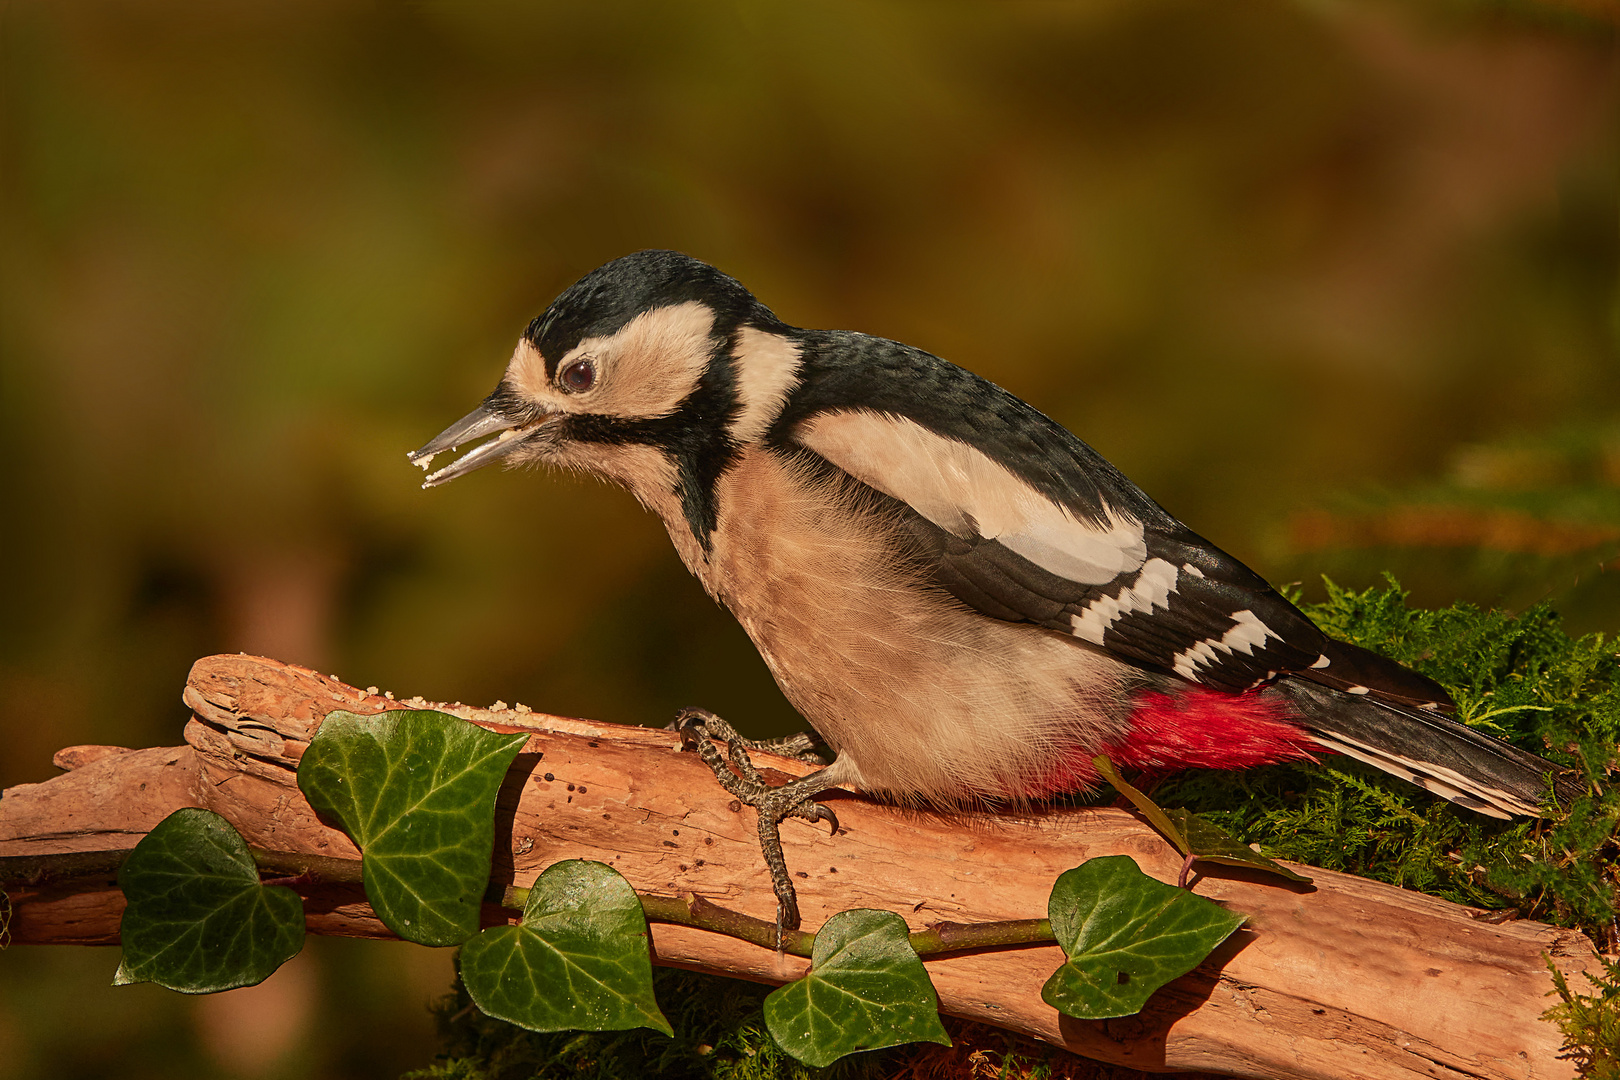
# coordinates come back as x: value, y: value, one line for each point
x: 482, y: 421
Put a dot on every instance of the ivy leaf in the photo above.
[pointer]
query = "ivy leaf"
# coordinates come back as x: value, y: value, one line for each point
x: 416, y: 790
x: 866, y: 990
x: 578, y: 961
x: 1191, y: 834
x: 1126, y: 935
x: 198, y: 920
x: 1208, y: 842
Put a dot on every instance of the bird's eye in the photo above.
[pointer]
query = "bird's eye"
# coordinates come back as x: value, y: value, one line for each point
x: 577, y: 377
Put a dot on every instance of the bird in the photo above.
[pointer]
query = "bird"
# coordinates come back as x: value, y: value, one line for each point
x: 966, y: 602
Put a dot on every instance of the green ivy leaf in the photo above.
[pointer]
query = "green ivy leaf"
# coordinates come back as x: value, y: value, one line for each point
x: 198, y: 920
x: 1191, y: 834
x: 1126, y: 935
x: 578, y: 961
x: 416, y: 790
x: 1208, y: 842
x: 866, y: 990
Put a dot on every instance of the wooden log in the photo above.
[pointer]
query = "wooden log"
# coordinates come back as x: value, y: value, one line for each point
x: 1344, y: 978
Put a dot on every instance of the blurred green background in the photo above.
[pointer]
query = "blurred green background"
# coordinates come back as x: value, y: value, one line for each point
x: 1336, y: 283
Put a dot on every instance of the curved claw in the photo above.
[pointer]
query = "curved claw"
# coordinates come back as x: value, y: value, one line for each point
x: 689, y: 718
x: 814, y: 812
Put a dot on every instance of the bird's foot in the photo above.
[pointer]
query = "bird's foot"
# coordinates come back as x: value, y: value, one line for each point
x: 773, y: 804
x: 802, y: 746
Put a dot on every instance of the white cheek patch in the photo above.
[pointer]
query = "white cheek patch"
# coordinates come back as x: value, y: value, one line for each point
x: 642, y: 372
x: 649, y: 367
x: 1151, y: 589
x: 767, y: 366
x: 964, y: 492
x: 1248, y: 632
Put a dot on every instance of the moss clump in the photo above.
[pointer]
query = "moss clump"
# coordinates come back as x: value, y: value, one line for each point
x: 720, y: 1035
x: 1590, y: 1023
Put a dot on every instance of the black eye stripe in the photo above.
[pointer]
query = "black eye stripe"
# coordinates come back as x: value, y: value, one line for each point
x: 577, y: 377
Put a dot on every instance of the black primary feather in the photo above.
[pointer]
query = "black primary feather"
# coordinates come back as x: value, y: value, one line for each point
x: 1432, y: 751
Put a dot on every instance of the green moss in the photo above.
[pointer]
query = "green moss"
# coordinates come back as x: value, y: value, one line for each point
x: 719, y: 1035
x: 1590, y: 1023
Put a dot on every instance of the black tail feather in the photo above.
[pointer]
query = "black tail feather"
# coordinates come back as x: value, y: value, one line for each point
x: 1429, y: 749
x: 1355, y: 670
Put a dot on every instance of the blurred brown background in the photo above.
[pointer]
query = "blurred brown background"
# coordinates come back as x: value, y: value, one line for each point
x: 1336, y: 283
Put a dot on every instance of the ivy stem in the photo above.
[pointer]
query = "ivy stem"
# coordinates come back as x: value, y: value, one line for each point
x: 288, y: 882
x: 941, y: 937
x: 945, y: 937
x: 288, y: 867
x: 687, y: 909
x: 291, y: 868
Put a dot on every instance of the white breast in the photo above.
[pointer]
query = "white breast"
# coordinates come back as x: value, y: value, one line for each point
x: 924, y: 698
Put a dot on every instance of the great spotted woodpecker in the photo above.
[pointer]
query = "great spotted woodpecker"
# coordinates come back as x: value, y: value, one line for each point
x: 964, y: 600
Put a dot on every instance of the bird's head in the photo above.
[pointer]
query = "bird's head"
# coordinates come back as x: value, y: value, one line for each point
x: 650, y: 369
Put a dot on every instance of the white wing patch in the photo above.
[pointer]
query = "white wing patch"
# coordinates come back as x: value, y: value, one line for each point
x: 1248, y: 632
x: 964, y: 492
x: 1151, y: 589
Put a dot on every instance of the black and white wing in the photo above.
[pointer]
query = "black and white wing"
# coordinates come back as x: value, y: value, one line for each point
x: 1024, y: 522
